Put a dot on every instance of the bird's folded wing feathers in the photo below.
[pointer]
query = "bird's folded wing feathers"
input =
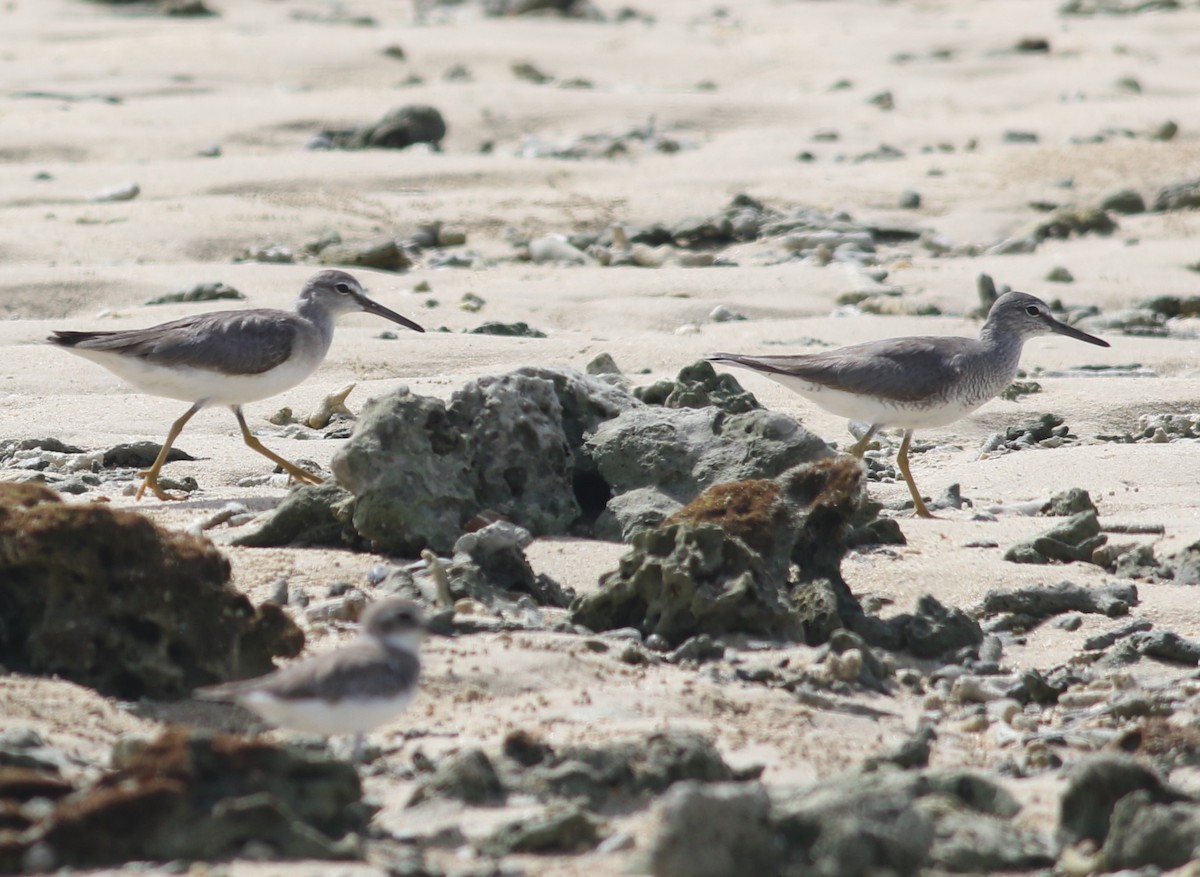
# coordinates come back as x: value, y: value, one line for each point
x: 354, y: 671
x: 906, y: 369
x: 230, y: 342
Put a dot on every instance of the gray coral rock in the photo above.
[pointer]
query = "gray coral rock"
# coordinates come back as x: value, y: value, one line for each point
x: 520, y: 458
x: 682, y: 451
x: 419, y: 468
x: 715, y: 830
x: 633, y: 511
x: 699, y: 386
x: 408, y: 466
x: 685, y: 579
x: 1093, y: 789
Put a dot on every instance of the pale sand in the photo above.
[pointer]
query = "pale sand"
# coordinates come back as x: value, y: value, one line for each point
x: 260, y: 83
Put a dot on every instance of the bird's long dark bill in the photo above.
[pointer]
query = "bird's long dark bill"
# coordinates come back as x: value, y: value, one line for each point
x: 374, y: 307
x: 1072, y: 332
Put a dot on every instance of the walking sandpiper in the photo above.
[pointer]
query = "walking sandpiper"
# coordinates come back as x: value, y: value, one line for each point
x: 351, y: 690
x: 915, y: 382
x: 230, y: 357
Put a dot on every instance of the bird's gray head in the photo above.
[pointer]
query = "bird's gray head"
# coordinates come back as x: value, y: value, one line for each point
x: 396, y: 622
x: 336, y: 293
x: 1019, y: 316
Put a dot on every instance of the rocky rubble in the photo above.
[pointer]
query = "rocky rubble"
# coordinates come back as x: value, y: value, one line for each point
x: 107, y: 599
x: 184, y: 796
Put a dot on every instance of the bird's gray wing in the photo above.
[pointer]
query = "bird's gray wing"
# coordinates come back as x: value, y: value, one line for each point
x: 905, y: 369
x: 355, y: 671
x: 230, y: 342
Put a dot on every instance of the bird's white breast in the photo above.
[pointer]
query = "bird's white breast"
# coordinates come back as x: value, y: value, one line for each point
x: 189, y: 384
x: 347, y: 716
x: 886, y: 413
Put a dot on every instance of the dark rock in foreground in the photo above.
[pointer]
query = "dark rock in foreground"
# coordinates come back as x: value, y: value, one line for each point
x: 105, y: 598
x: 895, y: 822
x: 622, y: 773
x: 198, y: 796
x: 1093, y: 789
x: 716, y: 830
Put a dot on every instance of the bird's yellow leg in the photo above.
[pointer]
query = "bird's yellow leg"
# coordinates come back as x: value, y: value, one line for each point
x: 301, y: 475
x: 150, y: 476
x: 902, y: 465
x: 860, y: 447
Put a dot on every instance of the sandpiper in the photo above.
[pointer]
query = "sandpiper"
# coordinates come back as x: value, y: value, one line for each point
x: 351, y: 690
x: 915, y: 382
x: 230, y: 357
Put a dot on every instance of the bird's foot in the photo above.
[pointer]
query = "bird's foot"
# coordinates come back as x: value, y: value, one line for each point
x: 302, y: 475
x: 150, y: 480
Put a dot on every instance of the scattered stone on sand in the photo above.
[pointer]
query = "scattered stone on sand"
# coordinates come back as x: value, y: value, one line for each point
x: 1025, y: 608
x: 84, y: 595
x: 623, y: 773
x: 399, y: 129
x: 119, y: 192
x: 529, y: 72
x: 1167, y: 646
x: 1177, y: 196
x: 140, y: 455
x: 565, y: 8
x: 1167, y: 427
x: 554, y: 248
x: 562, y: 827
x: 211, y: 291
x: 191, y: 796
x: 1066, y: 503
x: 519, y: 329
x: 490, y: 565
x: 1074, y: 540
x: 273, y: 254
x: 623, y: 144
x: 310, y: 515
x: 333, y: 405
x: 1117, y: 7
x: 698, y: 386
x: 1125, y: 201
x: 1074, y: 221
x: 382, y: 255
x: 1040, y: 431
x: 468, y: 776
x: 934, y: 630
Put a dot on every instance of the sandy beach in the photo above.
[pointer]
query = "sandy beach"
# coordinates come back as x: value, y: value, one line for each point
x: 783, y: 102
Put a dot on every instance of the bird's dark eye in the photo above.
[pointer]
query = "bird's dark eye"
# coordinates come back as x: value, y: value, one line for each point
x: 343, y: 288
x: 1033, y: 310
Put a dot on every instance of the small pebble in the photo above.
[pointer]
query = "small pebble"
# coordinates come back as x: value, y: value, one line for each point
x: 121, y: 192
